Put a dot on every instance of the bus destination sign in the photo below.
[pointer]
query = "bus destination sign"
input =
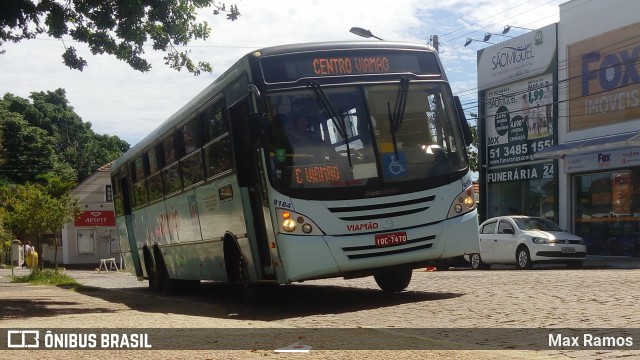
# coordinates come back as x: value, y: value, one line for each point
x: 347, y: 66
x: 292, y: 67
x: 308, y: 175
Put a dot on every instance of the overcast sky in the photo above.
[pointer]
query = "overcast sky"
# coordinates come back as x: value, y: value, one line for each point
x: 118, y: 100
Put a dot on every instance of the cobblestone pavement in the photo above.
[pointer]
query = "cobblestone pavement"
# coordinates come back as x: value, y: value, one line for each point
x: 551, y: 297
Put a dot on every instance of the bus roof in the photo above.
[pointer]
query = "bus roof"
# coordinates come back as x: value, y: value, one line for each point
x: 243, y: 63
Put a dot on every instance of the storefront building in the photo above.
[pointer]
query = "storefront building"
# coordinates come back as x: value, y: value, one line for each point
x: 517, y: 82
x: 92, y: 235
x: 599, y: 143
x: 591, y: 162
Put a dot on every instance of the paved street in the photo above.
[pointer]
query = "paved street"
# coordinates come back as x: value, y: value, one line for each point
x: 551, y: 297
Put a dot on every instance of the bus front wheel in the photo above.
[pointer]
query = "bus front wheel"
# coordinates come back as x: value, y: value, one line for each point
x: 395, y: 281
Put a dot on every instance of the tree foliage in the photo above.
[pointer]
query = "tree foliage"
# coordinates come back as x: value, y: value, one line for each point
x: 33, y: 210
x: 27, y: 151
x: 5, y: 239
x: 472, y: 149
x: 46, y: 136
x: 116, y: 27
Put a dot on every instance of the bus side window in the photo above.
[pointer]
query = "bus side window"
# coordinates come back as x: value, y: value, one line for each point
x: 218, y: 157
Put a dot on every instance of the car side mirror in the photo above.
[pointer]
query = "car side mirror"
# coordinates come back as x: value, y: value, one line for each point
x: 508, y: 231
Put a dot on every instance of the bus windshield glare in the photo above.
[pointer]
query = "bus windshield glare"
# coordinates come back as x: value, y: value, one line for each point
x: 356, y: 137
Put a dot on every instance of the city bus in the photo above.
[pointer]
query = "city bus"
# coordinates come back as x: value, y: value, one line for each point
x: 302, y: 162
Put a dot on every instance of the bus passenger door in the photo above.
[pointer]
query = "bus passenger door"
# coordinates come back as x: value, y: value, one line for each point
x: 246, y: 140
x: 126, y: 203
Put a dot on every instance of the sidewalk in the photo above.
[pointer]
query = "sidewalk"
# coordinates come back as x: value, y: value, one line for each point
x: 614, y: 262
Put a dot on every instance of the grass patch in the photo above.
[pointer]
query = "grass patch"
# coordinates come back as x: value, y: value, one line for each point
x: 46, y: 277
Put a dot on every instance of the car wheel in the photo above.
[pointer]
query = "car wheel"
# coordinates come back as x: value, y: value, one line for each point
x: 476, y: 262
x: 523, y: 259
x: 574, y: 264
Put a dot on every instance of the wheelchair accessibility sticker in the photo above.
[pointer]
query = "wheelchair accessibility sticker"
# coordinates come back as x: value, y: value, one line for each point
x: 394, y: 166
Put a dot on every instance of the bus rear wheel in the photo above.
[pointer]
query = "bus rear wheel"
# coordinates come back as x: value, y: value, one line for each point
x: 395, y: 281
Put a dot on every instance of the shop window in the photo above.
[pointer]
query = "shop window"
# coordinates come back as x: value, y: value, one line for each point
x: 607, y: 212
x: 532, y: 197
x: 108, y: 193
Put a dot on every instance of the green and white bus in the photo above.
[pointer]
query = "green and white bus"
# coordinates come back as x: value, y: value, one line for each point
x: 306, y: 161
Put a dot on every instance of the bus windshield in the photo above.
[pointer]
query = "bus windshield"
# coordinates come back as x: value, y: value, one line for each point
x: 355, y: 136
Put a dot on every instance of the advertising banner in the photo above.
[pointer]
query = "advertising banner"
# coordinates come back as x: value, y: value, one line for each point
x: 604, y: 79
x: 95, y: 218
x: 519, y: 120
x: 517, y: 58
x: 604, y: 160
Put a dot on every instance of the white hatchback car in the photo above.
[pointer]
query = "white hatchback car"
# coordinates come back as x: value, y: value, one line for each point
x: 525, y: 240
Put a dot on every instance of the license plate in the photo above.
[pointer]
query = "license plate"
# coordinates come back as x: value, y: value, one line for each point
x: 391, y: 239
x: 567, y: 250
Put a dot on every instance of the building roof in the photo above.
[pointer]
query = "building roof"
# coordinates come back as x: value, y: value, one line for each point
x: 106, y: 167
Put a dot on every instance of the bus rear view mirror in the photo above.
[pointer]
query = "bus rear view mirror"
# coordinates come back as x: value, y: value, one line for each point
x: 464, y: 125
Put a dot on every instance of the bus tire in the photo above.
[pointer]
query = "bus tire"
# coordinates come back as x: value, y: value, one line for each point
x: 234, y: 262
x: 238, y: 271
x: 395, y: 281
x: 152, y: 272
x: 168, y: 286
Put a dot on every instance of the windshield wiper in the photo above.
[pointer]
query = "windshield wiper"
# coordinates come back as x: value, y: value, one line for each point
x: 395, y: 118
x: 336, y: 117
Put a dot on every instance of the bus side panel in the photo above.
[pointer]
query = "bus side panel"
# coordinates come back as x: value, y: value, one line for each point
x: 125, y: 246
x: 157, y: 226
x: 203, y: 261
x: 220, y: 208
x: 139, y: 226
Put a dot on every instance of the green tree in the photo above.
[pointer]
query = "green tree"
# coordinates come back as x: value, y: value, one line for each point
x: 5, y: 239
x: 78, y: 150
x: 35, y: 211
x: 472, y: 149
x: 27, y: 151
x: 114, y: 27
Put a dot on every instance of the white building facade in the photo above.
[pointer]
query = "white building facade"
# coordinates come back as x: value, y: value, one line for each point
x: 92, y: 236
x: 598, y: 148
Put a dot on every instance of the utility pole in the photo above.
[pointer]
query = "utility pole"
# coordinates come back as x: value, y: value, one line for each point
x: 434, y: 41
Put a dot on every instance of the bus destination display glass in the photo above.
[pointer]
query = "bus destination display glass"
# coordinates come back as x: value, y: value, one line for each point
x: 292, y: 67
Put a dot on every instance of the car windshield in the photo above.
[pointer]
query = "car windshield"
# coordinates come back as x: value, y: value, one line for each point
x: 337, y: 137
x: 536, y: 224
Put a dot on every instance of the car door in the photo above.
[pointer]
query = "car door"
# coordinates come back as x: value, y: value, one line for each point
x: 487, y: 241
x: 505, y: 244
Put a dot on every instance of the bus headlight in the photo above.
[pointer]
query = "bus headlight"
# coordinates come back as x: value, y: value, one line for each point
x: 289, y: 225
x: 463, y: 203
x: 294, y: 223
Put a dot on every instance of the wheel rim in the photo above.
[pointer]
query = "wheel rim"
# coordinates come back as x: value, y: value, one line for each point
x: 475, y: 261
x: 523, y: 259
